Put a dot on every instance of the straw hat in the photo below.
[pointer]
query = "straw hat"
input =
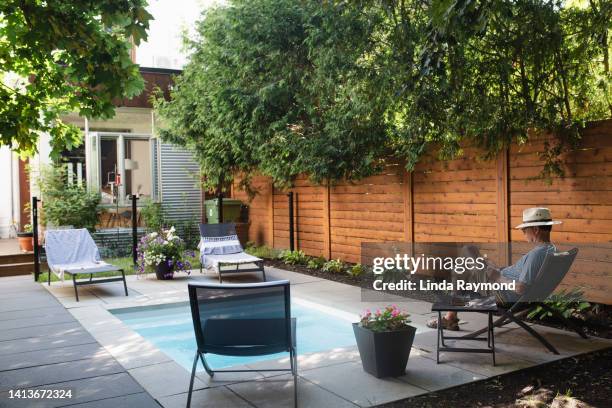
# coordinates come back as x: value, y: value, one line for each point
x: 535, y: 216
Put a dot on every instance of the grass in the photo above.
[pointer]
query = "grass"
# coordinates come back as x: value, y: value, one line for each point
x: 126, y: 263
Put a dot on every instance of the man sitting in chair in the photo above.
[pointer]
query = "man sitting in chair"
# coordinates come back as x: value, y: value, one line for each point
x: 537, y: 225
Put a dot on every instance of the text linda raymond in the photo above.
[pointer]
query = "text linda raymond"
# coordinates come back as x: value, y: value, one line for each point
x: 443, y: 285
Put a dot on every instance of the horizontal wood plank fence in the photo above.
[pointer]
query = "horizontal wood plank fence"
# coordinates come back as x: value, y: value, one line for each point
x: 463, y: 200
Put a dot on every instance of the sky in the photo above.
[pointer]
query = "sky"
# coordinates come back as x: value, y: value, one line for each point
x: 164, y: 48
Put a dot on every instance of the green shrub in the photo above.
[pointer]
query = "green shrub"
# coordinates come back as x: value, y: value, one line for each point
x: 297, y: 257
x: 356, y: 270
x: 152, y: 214
x: 333, y: 266
x: 262, y: 251
x: 569, y: 304
x: 316, y: 263
x: 66, y: 204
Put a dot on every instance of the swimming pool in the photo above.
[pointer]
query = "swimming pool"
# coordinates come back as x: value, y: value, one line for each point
x: 169, y: 327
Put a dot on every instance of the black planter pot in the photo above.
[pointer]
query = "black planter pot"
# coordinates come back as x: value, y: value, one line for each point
x: 164, y: 272
x: 384, y: 354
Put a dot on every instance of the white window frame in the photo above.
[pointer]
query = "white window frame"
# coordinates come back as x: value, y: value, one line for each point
x: 92, y: 160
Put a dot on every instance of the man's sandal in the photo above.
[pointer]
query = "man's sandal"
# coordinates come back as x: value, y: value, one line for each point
x: 446, y: 324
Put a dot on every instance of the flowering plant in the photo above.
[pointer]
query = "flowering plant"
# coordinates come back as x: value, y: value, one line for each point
x: 388, y: 319
x: 163, y: 246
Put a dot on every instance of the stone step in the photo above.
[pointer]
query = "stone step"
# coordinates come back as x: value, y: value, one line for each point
x: 26, y: 257
x: 16, y: 269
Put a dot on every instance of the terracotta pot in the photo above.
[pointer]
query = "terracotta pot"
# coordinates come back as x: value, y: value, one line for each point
x: 26, y: 242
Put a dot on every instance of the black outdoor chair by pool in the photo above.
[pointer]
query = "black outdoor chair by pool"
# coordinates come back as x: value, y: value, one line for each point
x: 220, y: 251
x: 554, y: 268
x: 251, y: 319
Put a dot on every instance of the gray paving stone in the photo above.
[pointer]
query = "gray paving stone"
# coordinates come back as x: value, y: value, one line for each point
x: 309, y: 395
x: 164, y: 379
x: 51, y: 356
x: 47, y: 330
x: 59, y: 372
x: 425, y: 373
x: 140, y: 400
x: 350, y: 382
x: 209, y: 398
x: 37, y: 302
x: 90, y: 389
x: 34, y: 313
x: 35, y: 321
x: 41, y: 343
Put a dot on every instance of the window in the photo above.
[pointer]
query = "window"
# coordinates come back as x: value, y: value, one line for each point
x: 125, y: 166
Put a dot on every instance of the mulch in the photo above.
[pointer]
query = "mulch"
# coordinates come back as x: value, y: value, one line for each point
x: 586, y: 379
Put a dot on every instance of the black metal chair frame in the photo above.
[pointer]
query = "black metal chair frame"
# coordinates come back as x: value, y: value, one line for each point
x: 201, y: 351
x: 221, y: 230
x: 522, y: 306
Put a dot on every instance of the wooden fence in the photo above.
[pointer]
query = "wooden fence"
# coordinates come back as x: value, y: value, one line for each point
x: 463, y: 200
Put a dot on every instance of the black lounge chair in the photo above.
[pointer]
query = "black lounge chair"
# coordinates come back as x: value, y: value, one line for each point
x: 250, y: 319
x: 226, y: 262
x: 551, y: 273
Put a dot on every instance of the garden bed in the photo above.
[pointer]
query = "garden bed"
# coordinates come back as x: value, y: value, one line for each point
x: 574, y: 382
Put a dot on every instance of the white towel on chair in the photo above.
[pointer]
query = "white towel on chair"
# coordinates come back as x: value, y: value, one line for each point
x: 69, y: 250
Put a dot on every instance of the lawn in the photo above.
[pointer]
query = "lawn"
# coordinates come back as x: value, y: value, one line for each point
x: 126, y: 263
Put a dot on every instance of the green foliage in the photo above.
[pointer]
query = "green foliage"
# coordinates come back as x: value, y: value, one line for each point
x: 388, y: 319
x: 316, y: 263
x: 152, y: 214
x: 262, y: 251
x: 569, y: 304
x: 62, y: 56
x: 356, y: 270
x: 296, y: 257
x: 66, y: 204
x: 332, y: 89
x: 27, y: 228
x: 333, y: 266
x: 279, y: 86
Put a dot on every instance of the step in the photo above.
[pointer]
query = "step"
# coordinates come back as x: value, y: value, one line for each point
x: 16, y: 269
x: 26, y: 257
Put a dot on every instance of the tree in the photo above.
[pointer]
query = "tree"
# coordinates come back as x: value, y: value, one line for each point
x: 60, y: 56
x: 492, y: 70
x: 332, y: 89
x: 278, y: 86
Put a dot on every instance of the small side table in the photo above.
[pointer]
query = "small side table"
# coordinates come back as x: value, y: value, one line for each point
x: 448, y: 306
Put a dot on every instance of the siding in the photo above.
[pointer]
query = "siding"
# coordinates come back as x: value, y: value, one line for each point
x: 179, y: 179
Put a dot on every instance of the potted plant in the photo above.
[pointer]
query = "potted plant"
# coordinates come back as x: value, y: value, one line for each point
x: 164, y: 251
x: 384, y: 339
x: 26, y: 240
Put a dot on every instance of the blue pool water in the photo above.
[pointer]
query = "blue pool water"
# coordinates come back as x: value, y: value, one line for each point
x: 170, y: 328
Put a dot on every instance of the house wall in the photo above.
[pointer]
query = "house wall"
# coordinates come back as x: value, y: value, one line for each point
x: 463, y: 200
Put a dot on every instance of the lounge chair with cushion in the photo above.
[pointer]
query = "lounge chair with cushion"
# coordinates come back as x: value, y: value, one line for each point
x: 73, y: 251
x: 554, y: 268
x: 250, y: 319
x: 221, y: 251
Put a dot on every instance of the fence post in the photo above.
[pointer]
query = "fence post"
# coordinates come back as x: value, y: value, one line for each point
x: 291, y: 228
x: 134, y: 230
x: 326, y: 220
x: 35, y: 239
x: 503, y: 206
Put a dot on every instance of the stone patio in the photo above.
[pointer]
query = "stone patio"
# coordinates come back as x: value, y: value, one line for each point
x: 331, y: 379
